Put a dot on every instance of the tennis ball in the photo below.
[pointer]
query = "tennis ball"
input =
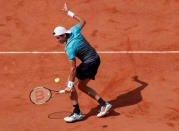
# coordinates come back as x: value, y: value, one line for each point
x: 57, y: 80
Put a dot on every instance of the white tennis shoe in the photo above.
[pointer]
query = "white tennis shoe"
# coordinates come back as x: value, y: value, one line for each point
x: 104, y: 109
x: 74, y: 117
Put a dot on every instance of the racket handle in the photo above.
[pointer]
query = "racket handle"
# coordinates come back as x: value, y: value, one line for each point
x: 62, y: 91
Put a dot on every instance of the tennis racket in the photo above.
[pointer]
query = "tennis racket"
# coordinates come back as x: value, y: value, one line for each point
x: 41, y: 95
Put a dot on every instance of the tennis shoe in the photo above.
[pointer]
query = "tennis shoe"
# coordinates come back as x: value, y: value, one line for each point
x: 104, y: 109
x: 74, y: 117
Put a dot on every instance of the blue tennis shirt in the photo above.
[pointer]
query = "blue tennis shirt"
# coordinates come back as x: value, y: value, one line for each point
x: 77, y: 46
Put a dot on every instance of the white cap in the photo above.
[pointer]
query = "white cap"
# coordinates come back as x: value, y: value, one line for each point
x: 60, y: 31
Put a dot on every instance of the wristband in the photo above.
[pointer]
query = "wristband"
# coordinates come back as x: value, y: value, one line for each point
x: 71, y: 14
x: 70, y: 84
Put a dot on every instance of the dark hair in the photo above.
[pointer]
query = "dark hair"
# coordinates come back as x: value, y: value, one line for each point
x: 68, y: 35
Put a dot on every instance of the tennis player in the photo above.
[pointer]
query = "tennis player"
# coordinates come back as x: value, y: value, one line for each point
x: 78, y: 46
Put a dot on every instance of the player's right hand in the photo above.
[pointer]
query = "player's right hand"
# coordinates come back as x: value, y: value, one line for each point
x: 68, y: 90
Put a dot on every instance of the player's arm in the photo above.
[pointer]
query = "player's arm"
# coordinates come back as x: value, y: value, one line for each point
x: 72, y: 75
x: 72, y: 70
x: 81, y: 21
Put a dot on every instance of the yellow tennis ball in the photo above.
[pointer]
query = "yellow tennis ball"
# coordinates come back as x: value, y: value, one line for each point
x: 57, y: 80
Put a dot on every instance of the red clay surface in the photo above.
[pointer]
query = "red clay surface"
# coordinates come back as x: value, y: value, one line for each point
x: 143, y: 88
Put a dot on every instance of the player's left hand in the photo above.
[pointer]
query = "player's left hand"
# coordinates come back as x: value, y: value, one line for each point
x: 65, y: 8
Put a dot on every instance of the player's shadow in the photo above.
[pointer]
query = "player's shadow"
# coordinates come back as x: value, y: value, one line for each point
x: 130, y: 98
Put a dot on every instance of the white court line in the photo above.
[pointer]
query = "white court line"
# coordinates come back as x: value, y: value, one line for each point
x: 137, y: 52
x: 100, y: 52
x: 31, y: 52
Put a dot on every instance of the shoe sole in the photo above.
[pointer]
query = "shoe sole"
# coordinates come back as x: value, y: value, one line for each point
x: 74, y: 120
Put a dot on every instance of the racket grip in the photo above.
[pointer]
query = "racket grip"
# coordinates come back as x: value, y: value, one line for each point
x: 62, y: 91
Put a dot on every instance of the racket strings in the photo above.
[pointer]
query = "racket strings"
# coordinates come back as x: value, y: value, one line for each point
x: 40, y: 95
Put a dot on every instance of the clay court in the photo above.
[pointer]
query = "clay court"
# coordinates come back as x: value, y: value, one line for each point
x: 137, y: 41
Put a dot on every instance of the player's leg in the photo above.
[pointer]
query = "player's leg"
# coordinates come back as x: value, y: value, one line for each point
x: 76, y: 115
x: 105, y: 106
x: 74, y: 99
x: 82, y: 85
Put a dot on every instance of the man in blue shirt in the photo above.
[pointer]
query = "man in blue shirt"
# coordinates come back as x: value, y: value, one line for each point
x: 77, y: 46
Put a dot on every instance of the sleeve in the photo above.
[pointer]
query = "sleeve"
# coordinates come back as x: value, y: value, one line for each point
x: 71, y: 51
x: 71, y: 54
x: 76, y: 28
